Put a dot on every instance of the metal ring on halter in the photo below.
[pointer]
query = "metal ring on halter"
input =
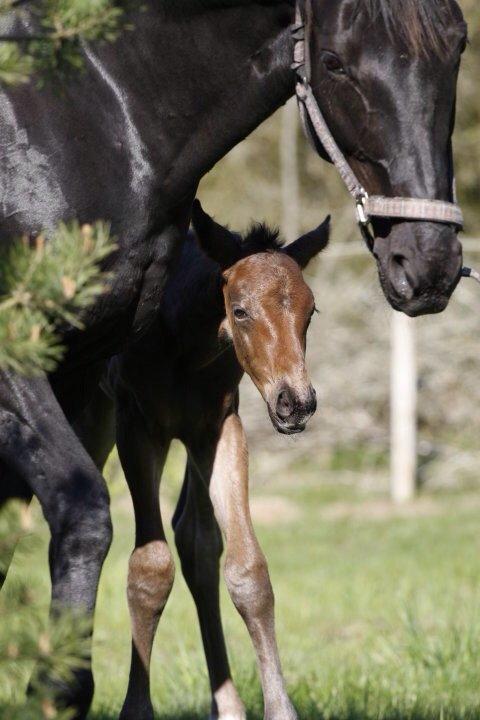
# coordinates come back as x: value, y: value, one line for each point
x: 360, y: 202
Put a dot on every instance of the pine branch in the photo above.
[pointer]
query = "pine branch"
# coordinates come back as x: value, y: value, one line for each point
x: 45, y: 285
x: 56, y: 45
x: 15, y: 67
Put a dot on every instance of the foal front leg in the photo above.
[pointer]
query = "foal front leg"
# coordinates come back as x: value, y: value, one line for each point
x: 246, y: 570
x: 151, y: 568
x: 199, y: 545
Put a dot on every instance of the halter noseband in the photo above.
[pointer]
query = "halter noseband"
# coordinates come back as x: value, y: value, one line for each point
x: 368, y: 206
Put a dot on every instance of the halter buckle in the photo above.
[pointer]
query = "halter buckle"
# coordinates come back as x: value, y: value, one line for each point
x: 360, y: 204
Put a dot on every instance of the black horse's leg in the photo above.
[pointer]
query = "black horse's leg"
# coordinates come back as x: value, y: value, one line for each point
x: 199, y: 544
x: 151, y: 567
x: 38, y: 444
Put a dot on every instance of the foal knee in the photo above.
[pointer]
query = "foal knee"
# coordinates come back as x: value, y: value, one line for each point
x: 249, y: 586
x: 151, y: 574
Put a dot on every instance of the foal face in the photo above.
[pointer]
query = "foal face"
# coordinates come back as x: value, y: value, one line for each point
x: 269, y: 307
x: 268, y: 310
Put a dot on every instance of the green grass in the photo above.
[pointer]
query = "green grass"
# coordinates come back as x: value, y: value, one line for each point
x: 378, y: 614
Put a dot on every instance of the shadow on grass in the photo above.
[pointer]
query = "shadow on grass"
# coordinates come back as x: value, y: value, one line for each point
x: 314, y: 713
x: 305, y: 712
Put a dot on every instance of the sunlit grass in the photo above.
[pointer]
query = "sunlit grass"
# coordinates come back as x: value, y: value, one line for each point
x: 378, y: 614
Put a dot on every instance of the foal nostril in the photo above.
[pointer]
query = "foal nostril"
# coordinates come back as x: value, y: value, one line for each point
x: 285, y: 404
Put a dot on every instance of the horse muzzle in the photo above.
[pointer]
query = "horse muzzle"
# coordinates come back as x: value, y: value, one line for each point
x: 420, y: 265
x: 290, y: 411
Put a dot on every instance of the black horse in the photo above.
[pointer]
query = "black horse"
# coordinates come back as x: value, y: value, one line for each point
x: 129, y: 140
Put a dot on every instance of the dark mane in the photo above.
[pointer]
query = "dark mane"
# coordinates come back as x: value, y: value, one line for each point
x: 261, y: 238
x: 419, y: 25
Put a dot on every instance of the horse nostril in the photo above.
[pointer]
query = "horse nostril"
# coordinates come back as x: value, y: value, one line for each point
x: 399, y: 260
x: 401, y: 278
x: 284, y: 404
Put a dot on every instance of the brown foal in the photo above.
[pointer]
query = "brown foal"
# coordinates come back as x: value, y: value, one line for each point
x: 240, y: 306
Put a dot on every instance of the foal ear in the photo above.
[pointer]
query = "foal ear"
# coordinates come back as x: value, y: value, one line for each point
x: 217, y: 241
x: 306, y: 247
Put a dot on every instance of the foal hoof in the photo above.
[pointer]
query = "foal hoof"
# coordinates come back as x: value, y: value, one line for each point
x: 226, y: 704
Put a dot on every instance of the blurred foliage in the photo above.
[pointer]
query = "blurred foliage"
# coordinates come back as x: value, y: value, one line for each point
x: 46, y: 283
x: 52, y: 48
x: 55, y: 647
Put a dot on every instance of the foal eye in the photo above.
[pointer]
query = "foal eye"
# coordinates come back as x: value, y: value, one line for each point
x: 332, y: 63
x: 240, y: 314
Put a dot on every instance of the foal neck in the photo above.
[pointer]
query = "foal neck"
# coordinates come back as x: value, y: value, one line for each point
x: 193, y: 307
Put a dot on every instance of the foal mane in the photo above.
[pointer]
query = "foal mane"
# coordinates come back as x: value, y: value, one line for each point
x: 261, y: 238
x: 418, y: 24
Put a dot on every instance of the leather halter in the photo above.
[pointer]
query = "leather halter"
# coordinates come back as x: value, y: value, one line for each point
x: 368, y: 206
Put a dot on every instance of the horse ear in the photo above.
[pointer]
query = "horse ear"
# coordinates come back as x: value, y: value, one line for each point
x: 306, y: 247
x: 217, y: 241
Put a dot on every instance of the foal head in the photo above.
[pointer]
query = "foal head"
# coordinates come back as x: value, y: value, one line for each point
x: 268, y: 310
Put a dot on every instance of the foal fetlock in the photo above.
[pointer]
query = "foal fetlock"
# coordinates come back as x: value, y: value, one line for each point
x: 150, y: 579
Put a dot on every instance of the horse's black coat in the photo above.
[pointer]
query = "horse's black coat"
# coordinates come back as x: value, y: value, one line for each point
x: 129, y: 140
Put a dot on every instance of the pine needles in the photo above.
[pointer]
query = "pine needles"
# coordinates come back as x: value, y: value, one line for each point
x: 54, y: 48
x: 44, y: 285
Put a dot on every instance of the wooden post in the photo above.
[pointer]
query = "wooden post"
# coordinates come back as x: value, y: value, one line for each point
x: 403, y: 409
x: 289, y: 171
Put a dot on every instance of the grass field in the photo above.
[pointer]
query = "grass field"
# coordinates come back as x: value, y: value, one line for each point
x: 378, y: 611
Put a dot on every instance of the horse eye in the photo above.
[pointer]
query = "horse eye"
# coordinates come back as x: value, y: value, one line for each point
x: 240, y: 314
x: 333, y: 63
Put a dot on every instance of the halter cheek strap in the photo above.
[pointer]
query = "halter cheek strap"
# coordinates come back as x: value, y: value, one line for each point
x: 368, y: 206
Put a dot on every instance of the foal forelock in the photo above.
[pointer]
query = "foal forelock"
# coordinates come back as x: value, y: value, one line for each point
x: 420, y: 25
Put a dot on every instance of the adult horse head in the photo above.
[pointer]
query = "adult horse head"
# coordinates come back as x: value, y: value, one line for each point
x: 268, y: 308
x: 384, y: 74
